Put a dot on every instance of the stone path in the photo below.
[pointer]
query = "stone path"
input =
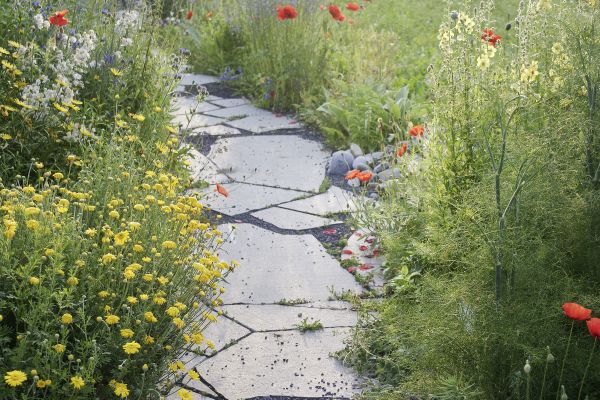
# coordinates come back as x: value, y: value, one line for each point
x: 273, y: 169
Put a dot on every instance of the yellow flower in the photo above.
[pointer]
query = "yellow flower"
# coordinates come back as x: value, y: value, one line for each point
x: 108, y: 258
x: 138, y: 248
x: 132, y: 299
x: 193, y: 375
x: 147, y: 277
x: 60, y: 108
x: 104, y: 294
x: 171, y: 129
x: 178, y: 322
x: 121, y: 238
x: 112, y: 319
x: 169, y: 245
x: 77, y: 382
x: 144, y: 297
x: 41, y: 384
x: 116, y: 72
x: 138, y: 117
x: 131, y: 347
x: 127, y: 333
x: 149, y: 317
x: 59, y: 348
x: 113, y: 214
x: 32, y: 224
x: 162, y: 280
x: 184, y: 394
x: 10, y: 226
x: 128, y: 274
x: 197, y: 338
x: 15, y: 378
x: 139, y: 207
x: 121, y: 390
x: 34, y: 280
x: 172, y: 311
x: 148, y: 340
x: 72, y: 281
x: 66, y: 318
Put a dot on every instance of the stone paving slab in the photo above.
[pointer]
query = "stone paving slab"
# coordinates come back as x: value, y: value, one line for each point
x: 190, y: 105
x: 230, y: 102
x: 224, y: 332
x: 243, y: 111
x: 215, y: 130
x: 196, y: 121
x: 197, y: 79
x: 276, y: 266
x: 289, y: 219
x: 278, y: 160
x: 269, y: 317
x: 286, y: 363
x: 334, y: 200
x: 366, y: 255
x: 244, y: 197
x: 264, y: 123
x: 202, y: 169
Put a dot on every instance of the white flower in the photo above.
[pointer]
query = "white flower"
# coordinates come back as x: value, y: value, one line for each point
x: 126, y: 42
x: 40, y: 22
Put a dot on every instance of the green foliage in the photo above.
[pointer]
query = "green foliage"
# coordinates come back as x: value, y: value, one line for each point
x: 306, y: 326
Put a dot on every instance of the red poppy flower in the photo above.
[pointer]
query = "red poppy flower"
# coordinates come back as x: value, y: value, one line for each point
x: 287, y: 12
x: 189, y: 15
x: 352, y: 6
x: 365, y: 176
x: 336, y: 13
x: 347, y: 252
x: 416, y: 131
x: 221, y: 190
x: 576, y: 312
x: 489, y: 36
x: 402, y: 149
x: 58, y: 18
x: 593, y: 325
x: 352, y: 174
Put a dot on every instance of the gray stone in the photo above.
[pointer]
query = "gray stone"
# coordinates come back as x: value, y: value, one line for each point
x: 278, y: 160
x: 242, y: 111
x: 190, y: 105
x: 377, y: 156
x: 334, y: 200
x: 270, y: 317
x: 215, y: 130
x: 341, y: 162
x: 195, y: 121
x: 389, y: 174
x: 264, y: 123
x: 202, y: 169
x: 353, y: 183
x: 285, y: 363
x: 245, y: 197
x: 362, y: 167
x: 289, y: 219
x: 374, y: 196
x: 197, y: 79
x: 230, y: 102
x: 361, y: 160
x: 356, y: 150
x: 276, y: 266
x: 223, y: 333
x: 381, y: 167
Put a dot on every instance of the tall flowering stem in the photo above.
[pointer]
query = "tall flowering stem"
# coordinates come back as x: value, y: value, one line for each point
x: 587, y: 368
x: 562, y: 368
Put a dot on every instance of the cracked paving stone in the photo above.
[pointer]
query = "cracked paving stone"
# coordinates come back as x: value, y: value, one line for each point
x: 245, y: 110
x: 230, y: 102
x: 190, y: 105
x: 224, y: 332
x: 202, y: 169
x: 276, y: 266
x: 215, y: 130
x: 264, y: 123
x: 269, y: 317
x: 197, y: 79
x: 195, y: 121
x: 244, y: 197
x: 333, y: 201
x: 278, y: 160
x: 289, y: 219
x: 286, y: 363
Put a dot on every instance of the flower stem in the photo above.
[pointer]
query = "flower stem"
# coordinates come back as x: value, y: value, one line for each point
x: 544, y: 380
x: 587, y: 368
x: 562, y: 368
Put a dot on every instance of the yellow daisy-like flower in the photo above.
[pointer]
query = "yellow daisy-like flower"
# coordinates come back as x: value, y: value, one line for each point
x: 169, y: 245
x: 171, y: 129
x: 172, y: 311
x: 60, y: 108
x: 59, y: 348
x: 193, y: 375
x: 127, y: 333
x: 34, y: 280
x: 41, y: 384
x: 66, y: 318
x: 131, y: 347
x: 128, y: 274
x: 108, y: 258
x: 148, y: 340
x: 121, y: 238
x: 15, y: 378
x: 149, y: 317
x: 116, y: 72
x: 121, y: 390
x: 184, y: 394
x: 77, y: 382
x: 72, y: 281
x: 178, y: 322
x: 138, y: 117
x: 112, y: 319
x: 138, y: 248
x: 104, y: 294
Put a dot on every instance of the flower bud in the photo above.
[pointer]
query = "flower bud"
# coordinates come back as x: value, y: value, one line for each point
x: 527, y: 367
x: 563, y: 395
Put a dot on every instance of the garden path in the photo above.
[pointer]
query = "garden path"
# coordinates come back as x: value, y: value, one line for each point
x: 276, y: 216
